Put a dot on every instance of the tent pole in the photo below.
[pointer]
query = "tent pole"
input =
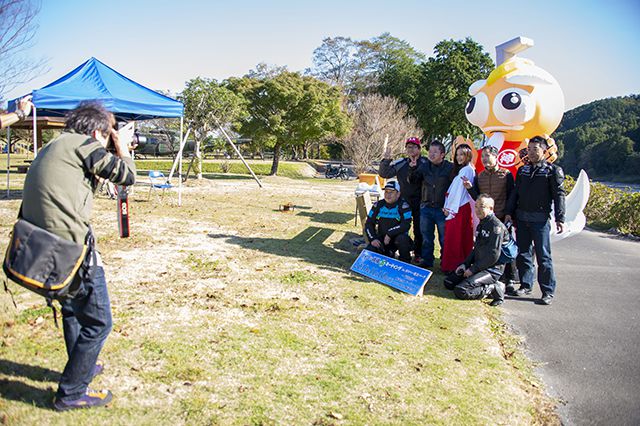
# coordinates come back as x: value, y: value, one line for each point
x: 8, y: 158
x: 178, y: 158
x: 35, y: 133
x: 239, y: 154
x: 180, y: 166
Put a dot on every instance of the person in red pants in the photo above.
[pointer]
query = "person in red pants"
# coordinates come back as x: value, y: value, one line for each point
x: 458, y: 204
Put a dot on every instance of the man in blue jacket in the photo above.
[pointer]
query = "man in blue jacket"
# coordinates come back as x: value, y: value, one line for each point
x: 388, y: 224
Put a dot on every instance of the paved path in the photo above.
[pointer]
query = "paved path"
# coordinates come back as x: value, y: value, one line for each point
x: 588, y: 341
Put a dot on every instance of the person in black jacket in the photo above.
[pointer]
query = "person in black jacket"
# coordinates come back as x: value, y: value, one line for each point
x: 434, y: 176
x: 388, y: 224
x: 410, y: 191
x: 478, y: 276
x: 498, y: 184
x: 538, y: 185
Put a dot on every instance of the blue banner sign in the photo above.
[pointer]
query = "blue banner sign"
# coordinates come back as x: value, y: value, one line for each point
x: 392, y: 272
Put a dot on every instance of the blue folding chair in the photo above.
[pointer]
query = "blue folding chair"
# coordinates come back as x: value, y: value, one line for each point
x: 158, y: 181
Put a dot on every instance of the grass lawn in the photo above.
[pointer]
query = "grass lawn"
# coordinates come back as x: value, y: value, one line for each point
x: 227, y: 311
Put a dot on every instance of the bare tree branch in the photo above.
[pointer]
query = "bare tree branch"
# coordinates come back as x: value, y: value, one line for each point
x: 17, y: 31
x: 375, y: 117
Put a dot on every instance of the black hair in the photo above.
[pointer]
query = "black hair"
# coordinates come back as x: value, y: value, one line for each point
x: 540, y: 141
x: 439, y: 144
x: 88, y: 117
x: 491, y: 149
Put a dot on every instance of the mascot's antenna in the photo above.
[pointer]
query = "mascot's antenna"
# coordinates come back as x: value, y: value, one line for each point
x: 511, y: 48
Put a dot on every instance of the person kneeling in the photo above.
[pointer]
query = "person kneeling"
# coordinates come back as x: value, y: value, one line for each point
x: 388, y: 224
x: 478, y: 276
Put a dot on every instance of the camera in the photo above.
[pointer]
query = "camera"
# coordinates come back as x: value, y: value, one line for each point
x: 111, y: 146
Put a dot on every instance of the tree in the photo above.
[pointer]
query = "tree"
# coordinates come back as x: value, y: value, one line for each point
x: 207, y: 105
x: 374, y: 118
x: 334, y: 60
x: 264, y: 71
x: 357, y: 66
x: 290, y: 110
x: 17, y: 30
x: 443, y: 87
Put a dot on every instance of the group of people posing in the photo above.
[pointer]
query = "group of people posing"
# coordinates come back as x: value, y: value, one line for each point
x: 433, y: 194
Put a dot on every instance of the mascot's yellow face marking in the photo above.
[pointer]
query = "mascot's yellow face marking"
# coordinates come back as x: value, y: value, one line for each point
x: 518, y: 101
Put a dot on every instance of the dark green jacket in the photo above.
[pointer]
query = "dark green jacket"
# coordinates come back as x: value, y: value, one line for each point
x: 59, y: 187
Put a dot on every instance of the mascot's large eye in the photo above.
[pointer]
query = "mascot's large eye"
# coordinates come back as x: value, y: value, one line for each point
x: 514, y: 106
x: 477, y: 110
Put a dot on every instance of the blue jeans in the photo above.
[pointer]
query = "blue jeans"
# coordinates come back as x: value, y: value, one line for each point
x: 532, y: 236
x: 86, y: 322
x: 430, y: 218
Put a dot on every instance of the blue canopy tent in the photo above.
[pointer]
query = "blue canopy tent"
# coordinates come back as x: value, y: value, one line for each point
x: 93, y: 80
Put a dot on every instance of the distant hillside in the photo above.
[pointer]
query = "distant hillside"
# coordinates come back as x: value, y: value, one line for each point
x: 603, y: 138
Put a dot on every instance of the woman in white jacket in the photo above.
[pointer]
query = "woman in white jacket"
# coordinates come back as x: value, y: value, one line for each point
x: 458, y: 208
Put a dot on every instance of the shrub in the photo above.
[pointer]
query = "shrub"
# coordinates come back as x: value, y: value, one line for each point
x: 611, y: 208
x: 625, y: 213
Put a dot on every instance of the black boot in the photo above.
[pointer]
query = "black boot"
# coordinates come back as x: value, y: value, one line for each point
x: 498, y: 294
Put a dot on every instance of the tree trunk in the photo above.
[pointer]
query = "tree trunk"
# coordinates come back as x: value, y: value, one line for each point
x: 276, y: 159
x: 197, y: 164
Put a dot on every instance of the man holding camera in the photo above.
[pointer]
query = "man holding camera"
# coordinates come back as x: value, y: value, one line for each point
x: 58, y: 197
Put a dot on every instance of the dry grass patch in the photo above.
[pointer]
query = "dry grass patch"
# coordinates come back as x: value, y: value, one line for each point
x: 228, y: 311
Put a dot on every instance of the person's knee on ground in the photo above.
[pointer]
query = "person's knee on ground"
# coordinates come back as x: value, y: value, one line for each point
x: 452, y: 279
x: 404, y: 244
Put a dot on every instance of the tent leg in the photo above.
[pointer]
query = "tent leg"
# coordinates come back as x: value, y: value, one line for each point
x: 8, y: 159
x: 180, y: 166
x: 35, y: 134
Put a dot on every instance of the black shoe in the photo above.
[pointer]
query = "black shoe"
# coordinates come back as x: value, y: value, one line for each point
x: 496, y: 302
x: 547, y: 299
x: 510, y: 287
x: 523, y: 291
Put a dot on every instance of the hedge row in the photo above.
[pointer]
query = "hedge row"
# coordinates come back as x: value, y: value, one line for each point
x: 286, y: 169
x: 610, y: 208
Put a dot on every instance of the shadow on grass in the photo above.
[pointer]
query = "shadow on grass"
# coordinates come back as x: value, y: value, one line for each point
x: 18, y: 391
x: 308, y: 245
x: 328, y: 217
x: 33, y: 372
x: 14, y: 194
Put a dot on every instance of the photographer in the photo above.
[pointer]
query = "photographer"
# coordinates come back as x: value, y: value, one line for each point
x: 58, y: 197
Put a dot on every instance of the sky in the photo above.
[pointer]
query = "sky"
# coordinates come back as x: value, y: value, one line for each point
x: 591, y: 47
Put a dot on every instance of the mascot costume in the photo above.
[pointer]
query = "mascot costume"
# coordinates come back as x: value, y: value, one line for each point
x: 515, y: 103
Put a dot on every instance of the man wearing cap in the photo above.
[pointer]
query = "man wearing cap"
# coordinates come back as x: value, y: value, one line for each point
x: 388, y: 224
x: 410, y: 191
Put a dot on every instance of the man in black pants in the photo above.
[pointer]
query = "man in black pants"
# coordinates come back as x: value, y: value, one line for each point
x: 478, y: 276
x: 410, y: 191
x: 498, y: 184
x: 538, y: 185
x: 388, y: 224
